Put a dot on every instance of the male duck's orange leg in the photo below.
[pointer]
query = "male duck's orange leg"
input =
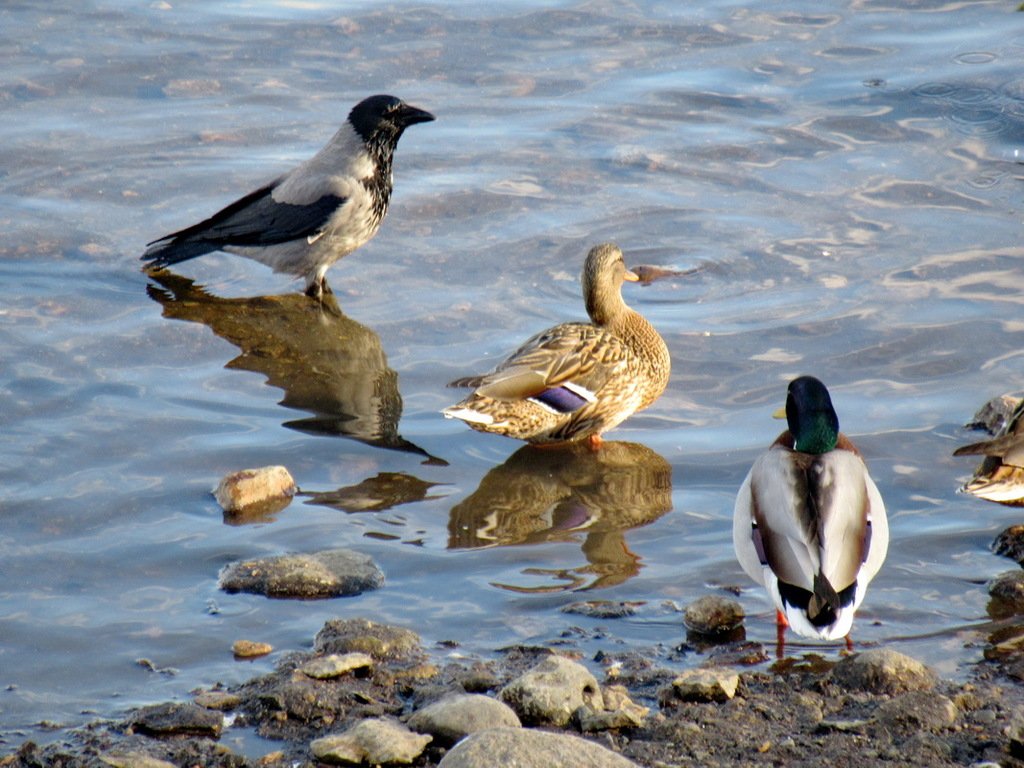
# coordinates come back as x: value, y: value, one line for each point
x: 780, y: 634
x: 594, y: 441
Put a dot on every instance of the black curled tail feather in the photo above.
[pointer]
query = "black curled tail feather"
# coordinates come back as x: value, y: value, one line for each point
x: 824, y: 601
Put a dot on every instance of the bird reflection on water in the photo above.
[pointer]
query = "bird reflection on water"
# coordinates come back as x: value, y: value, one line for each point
x: 547, y: 495
x: 327, y: 364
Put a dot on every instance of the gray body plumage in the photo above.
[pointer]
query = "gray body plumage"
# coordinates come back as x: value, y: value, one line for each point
x: 307, y: 219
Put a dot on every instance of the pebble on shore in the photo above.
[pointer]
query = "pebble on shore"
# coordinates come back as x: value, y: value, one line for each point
x: 550, y: 692
x: 454, y: 717
x: 883, y: 671
x: 530, y: 749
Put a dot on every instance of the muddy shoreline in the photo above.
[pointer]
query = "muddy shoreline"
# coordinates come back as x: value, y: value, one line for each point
x: 871, y: 707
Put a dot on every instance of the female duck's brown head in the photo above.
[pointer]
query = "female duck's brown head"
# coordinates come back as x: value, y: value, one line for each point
x: 603, y: 274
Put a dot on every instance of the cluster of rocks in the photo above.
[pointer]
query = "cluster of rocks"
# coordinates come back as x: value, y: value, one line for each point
x: 369, y: 694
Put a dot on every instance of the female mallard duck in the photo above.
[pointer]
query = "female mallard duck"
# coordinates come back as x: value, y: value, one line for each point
x: 576, y: 380
x: 809, y: 523
x: 1000, y: 477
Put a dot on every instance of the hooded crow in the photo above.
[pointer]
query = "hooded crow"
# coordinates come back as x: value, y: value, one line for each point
x: 307, y: 219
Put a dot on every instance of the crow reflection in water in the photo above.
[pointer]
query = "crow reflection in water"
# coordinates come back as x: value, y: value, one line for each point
x: 543, y: 494
x: 326, y: 363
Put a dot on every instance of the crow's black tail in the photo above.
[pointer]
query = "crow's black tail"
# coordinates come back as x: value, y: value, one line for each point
x: 171, y: 250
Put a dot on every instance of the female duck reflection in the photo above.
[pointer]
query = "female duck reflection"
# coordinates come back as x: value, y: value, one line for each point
x: 541, y: 495
x: 326, y: 363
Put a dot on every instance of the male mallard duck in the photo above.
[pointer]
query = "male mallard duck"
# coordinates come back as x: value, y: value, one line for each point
x: 1000, y: 477
x: 809, y: 523
x: 576, y: 380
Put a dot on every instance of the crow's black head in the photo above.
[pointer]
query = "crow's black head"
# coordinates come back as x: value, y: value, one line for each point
x: 380, y: 120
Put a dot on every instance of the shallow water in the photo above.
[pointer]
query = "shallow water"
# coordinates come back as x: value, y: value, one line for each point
x: 844, y: 180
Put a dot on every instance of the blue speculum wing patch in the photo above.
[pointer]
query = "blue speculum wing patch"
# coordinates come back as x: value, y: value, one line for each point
x: 561, y: 399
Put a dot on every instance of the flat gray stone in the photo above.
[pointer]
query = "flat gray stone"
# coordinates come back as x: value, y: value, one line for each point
x: 604, y: 609
x: 525, y: 748
x: 551, y: 691
x: 174, y: 719
x: 331, y: 573
x: 455, y: 717
x: 375, y: 741
x: 882, y: 670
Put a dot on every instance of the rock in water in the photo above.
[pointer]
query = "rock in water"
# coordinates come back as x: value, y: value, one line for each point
x: 1007, y: 593
x: 713, y: 615
x: 177, y: 720
x: 332, y: 573
x: 1010, y: 543
x: 251, y: 487
x: 250, y: 649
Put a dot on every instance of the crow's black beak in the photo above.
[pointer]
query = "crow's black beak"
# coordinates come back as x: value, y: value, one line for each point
x: 410, y: 115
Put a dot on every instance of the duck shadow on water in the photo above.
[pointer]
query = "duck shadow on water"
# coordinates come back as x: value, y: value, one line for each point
x: 564, y: 494
x: 327, y: 364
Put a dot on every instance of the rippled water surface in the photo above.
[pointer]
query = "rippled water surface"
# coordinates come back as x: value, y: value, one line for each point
x: 843, y: 180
